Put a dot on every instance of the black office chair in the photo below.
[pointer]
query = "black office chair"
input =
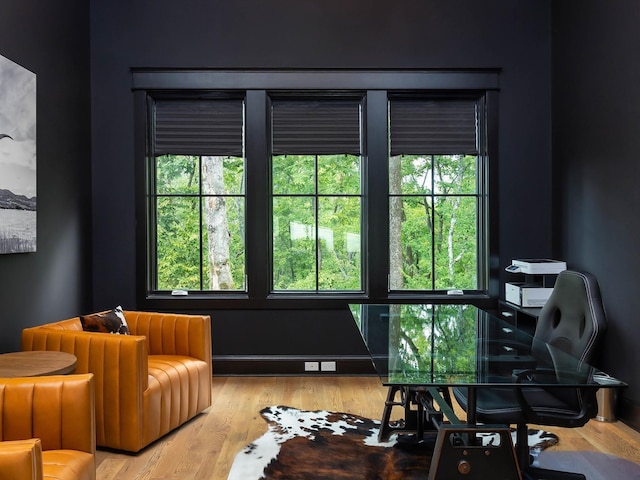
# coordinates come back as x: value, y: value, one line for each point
x: 573, y: 320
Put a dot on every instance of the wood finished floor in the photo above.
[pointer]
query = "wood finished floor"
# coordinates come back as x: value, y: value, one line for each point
x: 205, y: 447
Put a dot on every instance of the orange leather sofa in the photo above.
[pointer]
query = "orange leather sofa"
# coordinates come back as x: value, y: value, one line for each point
x: 47, y: 428
x: 147, y: 383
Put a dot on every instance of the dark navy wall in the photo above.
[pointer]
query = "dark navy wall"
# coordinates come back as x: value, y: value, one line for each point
x: 51, y: 39
x: 513, y: 36
x: 596, y: 125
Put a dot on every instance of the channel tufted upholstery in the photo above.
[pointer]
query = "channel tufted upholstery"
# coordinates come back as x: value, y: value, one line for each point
x: 147, y: 383
x: 47, y: 428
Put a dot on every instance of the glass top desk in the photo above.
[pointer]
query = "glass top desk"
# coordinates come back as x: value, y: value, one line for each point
x: 420, y: 350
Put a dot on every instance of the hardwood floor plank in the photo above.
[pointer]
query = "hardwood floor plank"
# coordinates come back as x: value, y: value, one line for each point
x: 205, y: 447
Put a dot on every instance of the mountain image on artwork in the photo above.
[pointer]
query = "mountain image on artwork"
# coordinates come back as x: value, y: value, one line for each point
x: 8, y: 199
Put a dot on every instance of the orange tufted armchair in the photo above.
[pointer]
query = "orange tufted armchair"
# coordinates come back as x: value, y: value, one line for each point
x: 47, y: 428
x: 147, y: 383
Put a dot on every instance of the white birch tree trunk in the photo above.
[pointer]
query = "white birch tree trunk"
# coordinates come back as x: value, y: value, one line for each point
x: 452, y: 223
x: 215, y: 216
x: 396, y: 279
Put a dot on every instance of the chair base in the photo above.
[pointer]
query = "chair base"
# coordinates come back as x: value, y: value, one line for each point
x: 531, y: 472
x: 454, y: 453
x: 536, y: 473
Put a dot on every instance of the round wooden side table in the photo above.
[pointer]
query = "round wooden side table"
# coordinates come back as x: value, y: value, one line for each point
x: 36, y: 363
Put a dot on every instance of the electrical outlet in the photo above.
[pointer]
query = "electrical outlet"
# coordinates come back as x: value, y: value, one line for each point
x: 311, y: 366
x: 328, y: 366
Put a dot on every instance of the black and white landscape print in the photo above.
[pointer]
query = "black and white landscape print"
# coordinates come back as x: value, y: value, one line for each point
x: 17, y: 158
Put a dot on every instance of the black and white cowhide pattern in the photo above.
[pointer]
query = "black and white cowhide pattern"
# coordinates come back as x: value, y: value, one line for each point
x: 305, y: 445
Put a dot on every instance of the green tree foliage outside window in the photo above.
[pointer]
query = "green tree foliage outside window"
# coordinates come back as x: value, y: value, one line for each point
x: 433, y: 215
x: 200, y: 208
x: 316, y: 222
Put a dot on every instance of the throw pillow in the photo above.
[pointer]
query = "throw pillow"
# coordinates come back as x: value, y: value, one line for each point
x: 112, y: 321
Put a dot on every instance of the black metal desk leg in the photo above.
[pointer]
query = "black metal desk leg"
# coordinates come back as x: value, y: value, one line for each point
x: 471, y: 406
x: 472, y: 414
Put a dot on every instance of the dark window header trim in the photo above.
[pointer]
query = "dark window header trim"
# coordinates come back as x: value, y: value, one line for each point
x: 196, y: 79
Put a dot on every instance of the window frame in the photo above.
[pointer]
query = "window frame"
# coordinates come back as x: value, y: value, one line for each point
x: 151, y: 191
x: 353, y: 97
x: 257, y: 85
x: 478, y: 147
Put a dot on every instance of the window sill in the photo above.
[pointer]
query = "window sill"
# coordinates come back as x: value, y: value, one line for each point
x: 204, y: 301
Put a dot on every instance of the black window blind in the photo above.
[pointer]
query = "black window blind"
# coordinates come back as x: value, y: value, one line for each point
x: 433, y: 127
x: 315, y: 127
x: 199, y: 127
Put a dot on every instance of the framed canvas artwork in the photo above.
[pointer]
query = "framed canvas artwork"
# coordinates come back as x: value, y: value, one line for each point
x: 18, y: 196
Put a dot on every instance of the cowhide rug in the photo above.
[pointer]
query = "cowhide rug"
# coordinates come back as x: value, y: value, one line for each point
x: 302, y: 445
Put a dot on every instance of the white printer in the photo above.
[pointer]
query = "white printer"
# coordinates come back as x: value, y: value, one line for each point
x: 532, y: 293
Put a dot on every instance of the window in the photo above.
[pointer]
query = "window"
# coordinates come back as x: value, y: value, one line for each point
x: 196, y: 197
x: 316, y: 195
x: 270, y: 188
x: 434, y: 194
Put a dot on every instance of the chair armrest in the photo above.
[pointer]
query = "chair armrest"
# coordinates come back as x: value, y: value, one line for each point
x: 105, y: 355
x: 581, y: 415
x: 527, y: 375
x: 550, y: 375
x: 21, y: 459
x: 57, y: 409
